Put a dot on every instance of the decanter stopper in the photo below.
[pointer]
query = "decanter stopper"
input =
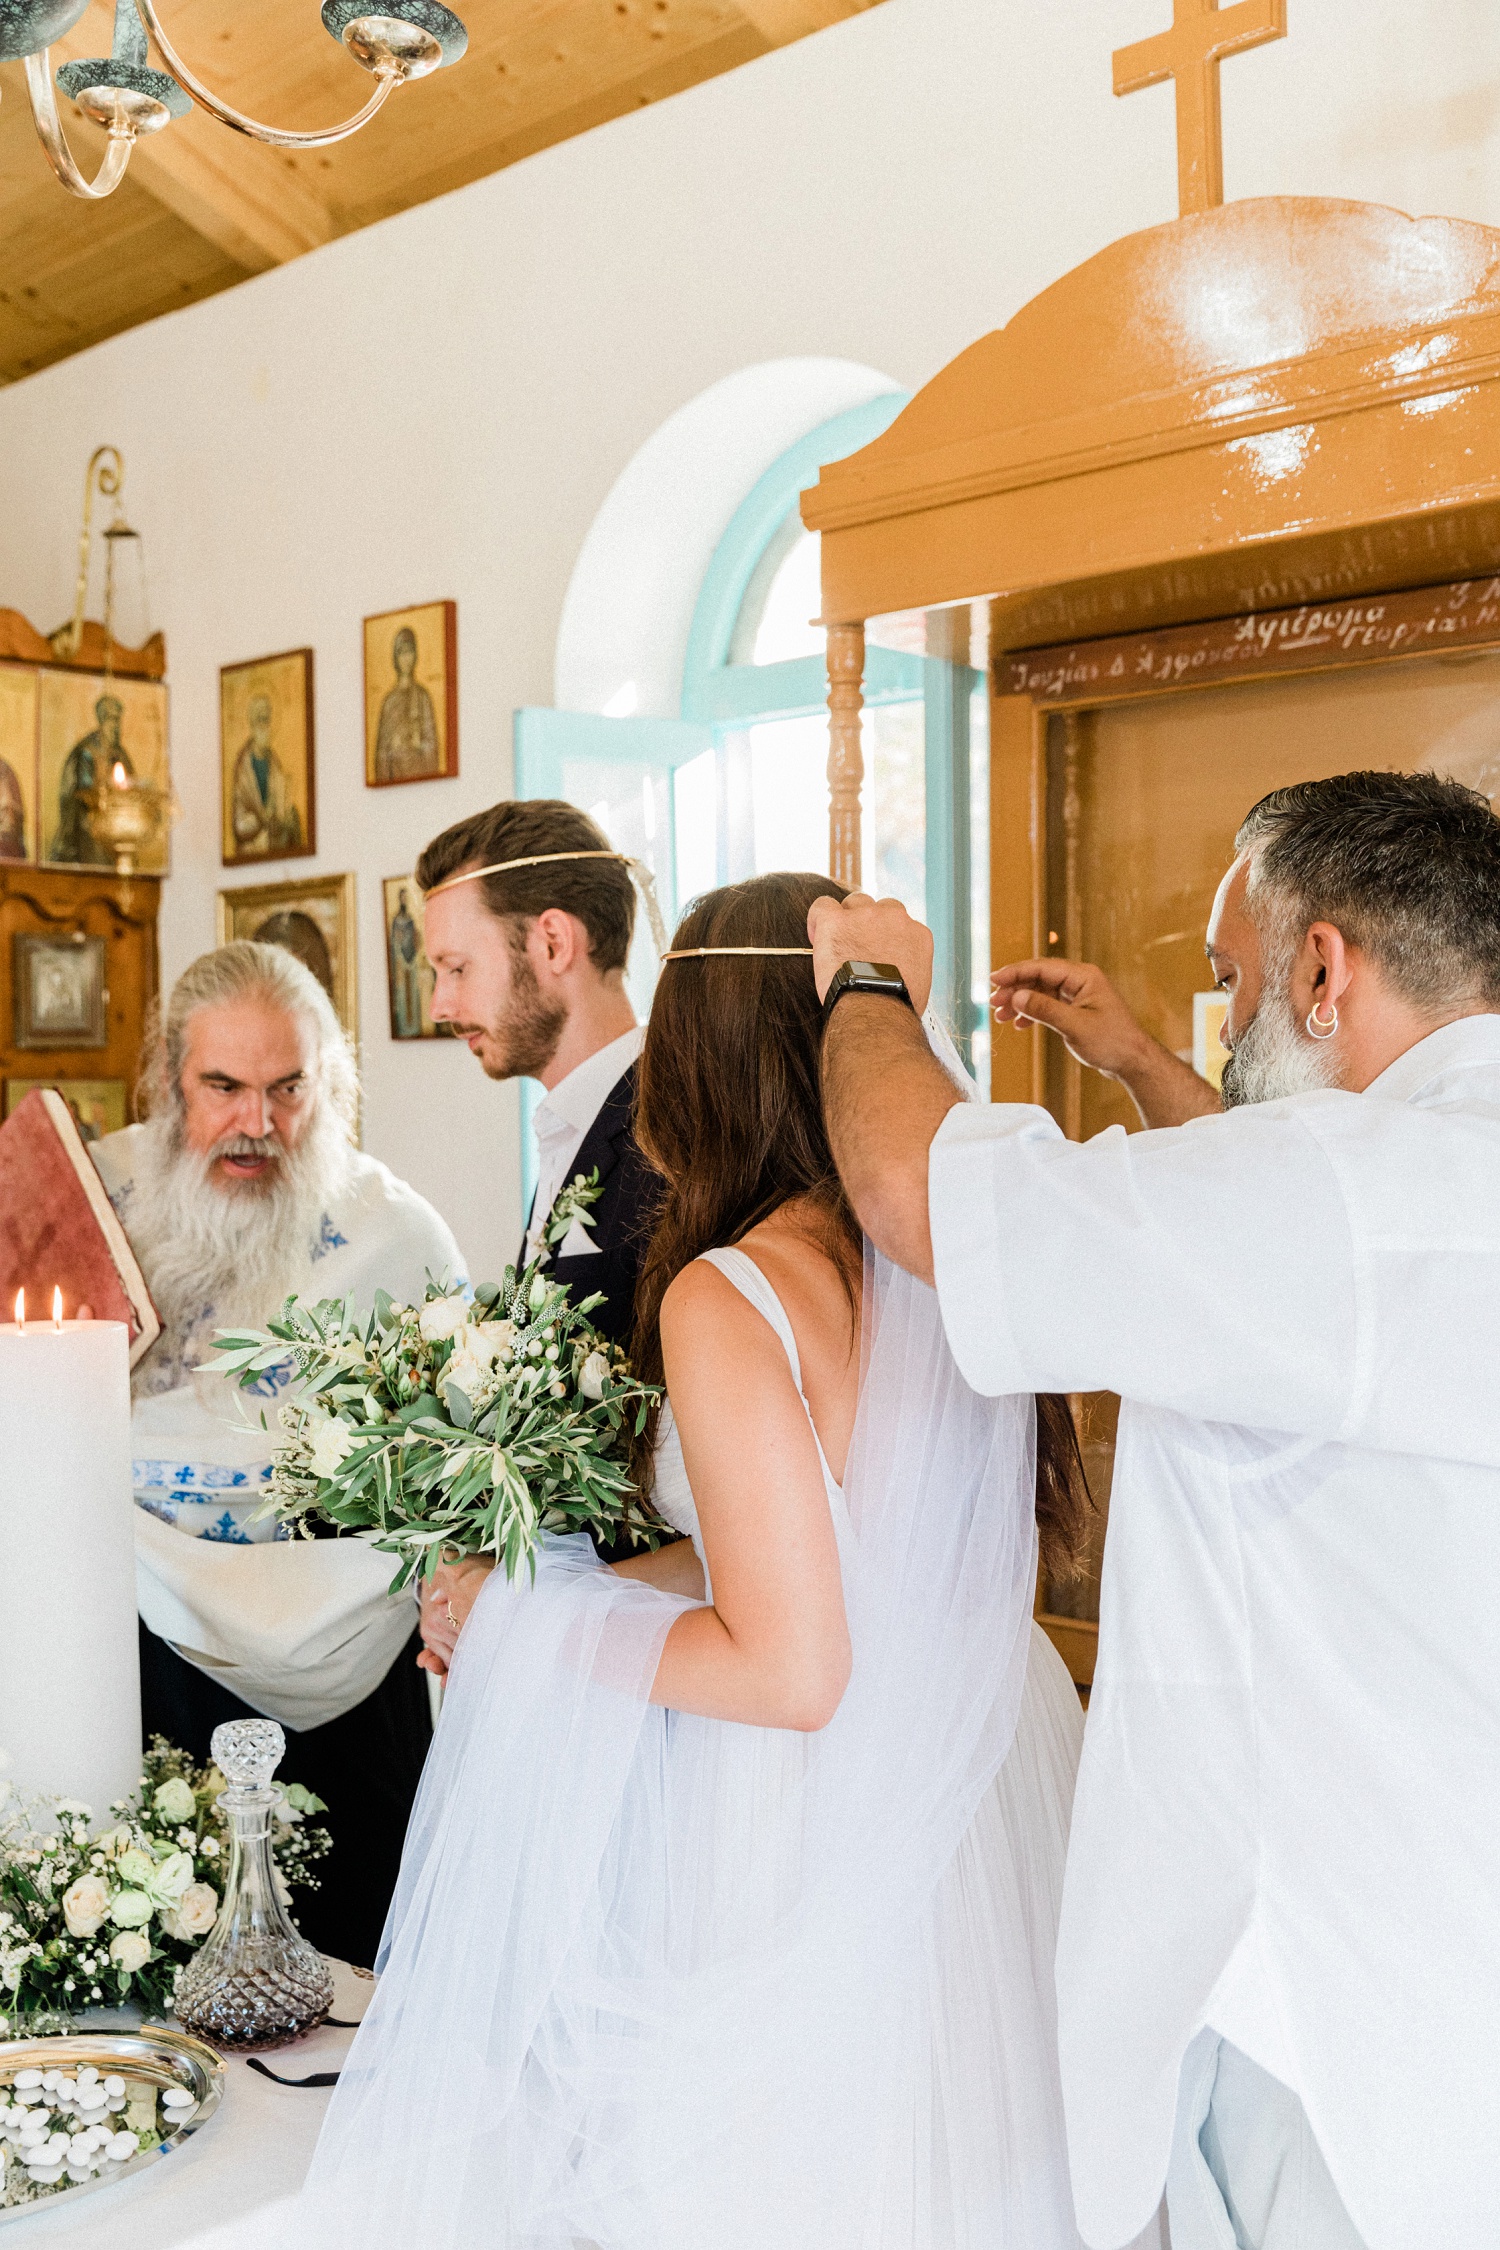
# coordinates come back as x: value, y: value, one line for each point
x: 255, y: 1982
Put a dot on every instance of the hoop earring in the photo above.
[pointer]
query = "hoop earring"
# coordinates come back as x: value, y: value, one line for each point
x: 1316, y: 1027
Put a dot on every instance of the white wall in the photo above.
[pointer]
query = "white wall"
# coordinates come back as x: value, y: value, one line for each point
x: 440, y: 405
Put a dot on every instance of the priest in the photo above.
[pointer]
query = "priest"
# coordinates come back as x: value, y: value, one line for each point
x: 243, y: 1186
x: 1278, y: 1977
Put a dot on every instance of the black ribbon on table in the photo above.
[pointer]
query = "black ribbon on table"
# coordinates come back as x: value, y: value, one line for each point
x: 318, y: 2078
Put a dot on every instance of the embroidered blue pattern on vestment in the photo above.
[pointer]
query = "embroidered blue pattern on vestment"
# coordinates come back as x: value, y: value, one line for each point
x: 196, y: 1476
x: 227, y: 1531
x: 329, y: 1238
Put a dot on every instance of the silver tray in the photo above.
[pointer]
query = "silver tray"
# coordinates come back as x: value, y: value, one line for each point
x: 155, y: 2057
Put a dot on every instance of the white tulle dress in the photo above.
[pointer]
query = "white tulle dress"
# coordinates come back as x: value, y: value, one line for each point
x: 988, y: 2158
x: 656, y: 1982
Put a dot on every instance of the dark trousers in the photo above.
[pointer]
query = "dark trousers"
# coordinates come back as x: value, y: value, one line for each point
x: 365, y: 1766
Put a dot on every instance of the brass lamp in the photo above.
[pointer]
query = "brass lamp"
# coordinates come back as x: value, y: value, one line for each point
x: 127, y: 816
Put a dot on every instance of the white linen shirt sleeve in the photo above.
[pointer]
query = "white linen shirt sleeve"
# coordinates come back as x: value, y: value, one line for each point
x: 1207, y: 1268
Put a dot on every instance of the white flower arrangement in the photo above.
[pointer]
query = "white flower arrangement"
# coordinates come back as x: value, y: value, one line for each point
x: 470, y: 1425
x: 87, y: 1921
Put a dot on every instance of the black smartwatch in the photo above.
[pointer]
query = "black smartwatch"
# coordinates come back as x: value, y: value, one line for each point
x: 877, y: 977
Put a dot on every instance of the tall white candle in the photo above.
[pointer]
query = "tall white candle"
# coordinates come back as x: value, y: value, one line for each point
x: 70, y: 1691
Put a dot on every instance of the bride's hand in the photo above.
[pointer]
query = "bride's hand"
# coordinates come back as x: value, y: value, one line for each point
x: 447, y: 1598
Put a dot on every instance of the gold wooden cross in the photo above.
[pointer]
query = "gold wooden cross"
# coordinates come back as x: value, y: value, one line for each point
x: 1202, y: 34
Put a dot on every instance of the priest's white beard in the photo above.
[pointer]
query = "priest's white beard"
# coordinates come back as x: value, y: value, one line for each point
x: 237, y: 1252
x: 1273, y: 1057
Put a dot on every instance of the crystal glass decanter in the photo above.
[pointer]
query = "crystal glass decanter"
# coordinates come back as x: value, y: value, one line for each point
x: 255, y: 1982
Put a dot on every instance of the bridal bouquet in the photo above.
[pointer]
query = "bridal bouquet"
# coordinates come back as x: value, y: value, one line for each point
x: 86, y: 1920
x: 456, y: 1427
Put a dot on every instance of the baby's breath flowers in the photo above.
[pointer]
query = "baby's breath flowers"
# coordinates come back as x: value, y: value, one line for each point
x: 467, y: 1425
x: 91, y: 1920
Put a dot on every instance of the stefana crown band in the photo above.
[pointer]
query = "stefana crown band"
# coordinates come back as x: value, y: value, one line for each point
x: 640, y: 875
x: 707, y: 952
x: 537, y: 859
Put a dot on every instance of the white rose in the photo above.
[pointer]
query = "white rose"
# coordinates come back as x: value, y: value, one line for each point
x: 174, y: 1800
x: 467, y: 1372
x: 85, y: 1904
x: 332, y: 1440
x: 131, y: 1910
x: 135, y: 1866
x: 171, y: 1879
x: 593, y: 1375
x: 490, y: 1341
x: 131, y: 1949
x: 194, y: 1913
x: 443, y: 1318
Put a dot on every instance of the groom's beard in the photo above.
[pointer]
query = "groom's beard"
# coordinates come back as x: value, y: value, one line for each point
x: 1273, y: 1057
x: 525, y: 1042
x: 237, y: 1251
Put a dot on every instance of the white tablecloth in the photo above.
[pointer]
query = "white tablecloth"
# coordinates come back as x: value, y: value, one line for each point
x: 255, y: 2148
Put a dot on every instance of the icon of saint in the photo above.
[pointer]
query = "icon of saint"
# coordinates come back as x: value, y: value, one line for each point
x: 263, y: 811
x: 406, y: 740
x: 406, y: 972
x: 297, y: 932
x: 90, y: 761
x: 12, y: 814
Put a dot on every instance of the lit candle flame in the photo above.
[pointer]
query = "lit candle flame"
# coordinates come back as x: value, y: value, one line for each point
x: 117, y: 775
x: 57, y: 1310
x: 21, y: 1310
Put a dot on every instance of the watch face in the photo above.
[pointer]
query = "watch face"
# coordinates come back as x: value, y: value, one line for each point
x: 875, y: 972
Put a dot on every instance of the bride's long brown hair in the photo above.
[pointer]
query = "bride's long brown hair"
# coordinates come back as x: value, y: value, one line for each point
x: 729, y: 1111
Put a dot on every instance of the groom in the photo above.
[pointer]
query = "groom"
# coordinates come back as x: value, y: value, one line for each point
x: 1277, y: 1972
x: 530, y: 967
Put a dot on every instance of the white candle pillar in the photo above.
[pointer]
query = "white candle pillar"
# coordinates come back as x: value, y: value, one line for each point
x: 70, y: 1688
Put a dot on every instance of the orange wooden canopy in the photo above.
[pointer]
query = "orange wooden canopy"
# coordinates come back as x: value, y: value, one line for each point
x: 1268, y: 402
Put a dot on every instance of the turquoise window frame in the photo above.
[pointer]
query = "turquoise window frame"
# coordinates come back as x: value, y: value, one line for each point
x: 719, y: 694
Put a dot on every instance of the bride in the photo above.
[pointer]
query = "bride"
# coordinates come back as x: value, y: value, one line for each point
x: 727, y: 1913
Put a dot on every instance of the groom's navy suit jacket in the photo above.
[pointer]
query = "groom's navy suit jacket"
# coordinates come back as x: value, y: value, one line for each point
x: 623, y: 1217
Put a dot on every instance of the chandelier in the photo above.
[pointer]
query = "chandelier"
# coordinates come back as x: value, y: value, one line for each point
x: 392, y: 39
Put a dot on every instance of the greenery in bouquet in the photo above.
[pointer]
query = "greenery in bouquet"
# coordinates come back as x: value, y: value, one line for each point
x: 461, y: 1426
x: 87, y: 1921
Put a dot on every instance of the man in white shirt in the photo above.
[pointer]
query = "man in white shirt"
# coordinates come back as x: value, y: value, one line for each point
x: 1278, y: 1978
x: 528, y: 920
x: 243, y: 1187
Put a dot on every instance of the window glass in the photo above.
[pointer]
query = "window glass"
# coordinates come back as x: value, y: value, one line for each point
x: 783, y: 596
x: 758, y: 802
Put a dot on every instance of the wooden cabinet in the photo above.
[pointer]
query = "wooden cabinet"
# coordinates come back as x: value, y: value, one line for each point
x: 1231, y: 492
x: 119, y: 913
x: 78, y: 962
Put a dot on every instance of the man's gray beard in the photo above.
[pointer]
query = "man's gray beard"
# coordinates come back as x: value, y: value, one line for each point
x: 1273, y: 1057
x: 233, y: 1252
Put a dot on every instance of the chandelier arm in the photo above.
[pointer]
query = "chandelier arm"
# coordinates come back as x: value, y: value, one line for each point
x: 50, y: 133
x: 235, y: 118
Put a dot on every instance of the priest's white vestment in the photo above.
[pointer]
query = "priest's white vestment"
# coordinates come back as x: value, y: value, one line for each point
x: 1287, y: 1825
x: 300, y: 1630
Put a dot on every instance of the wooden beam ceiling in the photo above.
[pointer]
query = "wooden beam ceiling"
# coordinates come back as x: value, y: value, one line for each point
x: 202, y: 207
x: 782, y: 21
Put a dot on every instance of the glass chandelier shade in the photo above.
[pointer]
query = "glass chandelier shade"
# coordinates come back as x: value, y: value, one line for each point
x: 394, y: 40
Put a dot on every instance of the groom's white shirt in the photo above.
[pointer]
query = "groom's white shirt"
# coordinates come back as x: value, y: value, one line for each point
x: 1288, y: 1815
